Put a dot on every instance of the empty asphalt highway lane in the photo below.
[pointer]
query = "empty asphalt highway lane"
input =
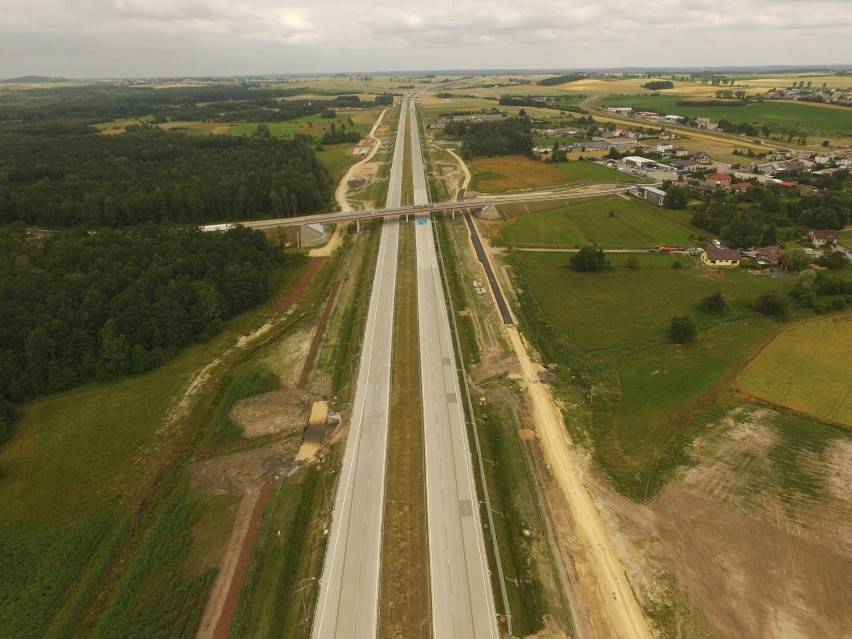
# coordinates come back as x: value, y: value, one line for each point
x: 462, y: 601
x: 347, y: 607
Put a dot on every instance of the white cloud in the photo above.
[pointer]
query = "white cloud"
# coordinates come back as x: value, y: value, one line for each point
x: 167, y: 37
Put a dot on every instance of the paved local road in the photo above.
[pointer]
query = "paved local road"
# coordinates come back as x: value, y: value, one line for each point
x: 347, y: 607
x: 462, y: 601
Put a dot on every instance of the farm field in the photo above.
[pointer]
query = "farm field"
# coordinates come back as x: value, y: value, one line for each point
x: 798, y: 370
x: 432, y: 107
x: 610, y: 222
x: 766, y: 492
x: 603, y: 310
x: 766, y: 82
x: 660, y: 389
x: 514, y: 173
x: 592, y: 172
x: 809, y: 116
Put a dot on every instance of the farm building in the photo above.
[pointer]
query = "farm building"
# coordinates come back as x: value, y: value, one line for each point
x: 771, y: 254
x: 720, y: 257
x: 719, y: 179
x: 652, y: 195
x: 638, y: 161
x: 824, y: 237
x: 739, y: 187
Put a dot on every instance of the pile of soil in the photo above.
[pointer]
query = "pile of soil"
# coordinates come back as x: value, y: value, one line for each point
x: 284, y: 411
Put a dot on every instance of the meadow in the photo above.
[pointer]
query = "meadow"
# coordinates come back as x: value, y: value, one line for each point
x: 514, y: 173
x: 659, y: 393
x: 809, y: 116
x: 610, y: 222
x: 648, y: 398
x: 602, y: 310
x: 797, y: 370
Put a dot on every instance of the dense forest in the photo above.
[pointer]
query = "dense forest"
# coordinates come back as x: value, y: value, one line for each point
x: 562, y: 79
x: 80, y: 305
x: 153, y: 176
x: 245, y: 102
x: 509, y: 136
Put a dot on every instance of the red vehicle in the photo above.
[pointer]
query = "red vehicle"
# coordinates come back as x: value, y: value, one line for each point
x: 666, y: 249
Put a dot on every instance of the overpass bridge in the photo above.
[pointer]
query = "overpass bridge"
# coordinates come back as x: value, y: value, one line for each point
x: 451, y: 205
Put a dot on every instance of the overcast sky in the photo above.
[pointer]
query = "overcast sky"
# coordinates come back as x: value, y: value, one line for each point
x: 146, y: 38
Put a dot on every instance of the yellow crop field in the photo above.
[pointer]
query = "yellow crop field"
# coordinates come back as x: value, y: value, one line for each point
x: 512, y: 173
x: 805, y: 368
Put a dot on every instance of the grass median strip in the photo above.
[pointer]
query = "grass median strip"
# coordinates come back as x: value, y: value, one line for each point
x: 405, y: 609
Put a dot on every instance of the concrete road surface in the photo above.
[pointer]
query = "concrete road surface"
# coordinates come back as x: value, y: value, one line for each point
x: 462, y: 601
x: 347, y: 606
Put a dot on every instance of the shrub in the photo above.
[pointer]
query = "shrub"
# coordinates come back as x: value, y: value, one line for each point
x: 589, y: 260
x: 773, y: 304
x: 714, y: 304
x: 682, y: 329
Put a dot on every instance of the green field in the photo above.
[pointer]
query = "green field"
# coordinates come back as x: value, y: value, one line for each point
x: 634, y: 224
x: 661, y: 390
x: 602, y: 310
x: 591, y: 172
x: 800, y: 114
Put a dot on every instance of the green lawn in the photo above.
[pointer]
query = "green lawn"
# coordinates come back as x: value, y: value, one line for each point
x: 663, y: 388
x: 793, y: 113
x: 592, y: 172
x: 635, y: 224
x: 601, y: 310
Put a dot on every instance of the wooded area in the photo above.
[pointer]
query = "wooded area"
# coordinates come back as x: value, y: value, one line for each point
x: 156, y: 176
x: 509, y: 136
x: 78, y: 305
x: 763, y: 215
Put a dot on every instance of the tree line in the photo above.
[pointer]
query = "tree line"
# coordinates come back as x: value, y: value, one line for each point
x: 102, y: 103
x: 508, y: 136
x: 76, y: 305
x: 762, y: 215
x: 155, y: 176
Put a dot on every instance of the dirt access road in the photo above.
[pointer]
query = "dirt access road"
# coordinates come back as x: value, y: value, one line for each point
x: 625, y: 616
x: 343, y: 187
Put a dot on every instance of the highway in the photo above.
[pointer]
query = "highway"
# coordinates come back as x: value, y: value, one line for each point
x: 347, y: 606
x: 462, y: 601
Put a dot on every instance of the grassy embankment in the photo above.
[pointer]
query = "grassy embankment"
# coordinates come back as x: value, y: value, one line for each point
x: 96, y: 487
x: 282, y: 582
x: 642, y: 398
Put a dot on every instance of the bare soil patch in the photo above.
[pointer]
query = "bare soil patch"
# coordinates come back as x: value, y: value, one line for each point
x: 237, y: 473
x: 284, y: 411
x: 728, y: 551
